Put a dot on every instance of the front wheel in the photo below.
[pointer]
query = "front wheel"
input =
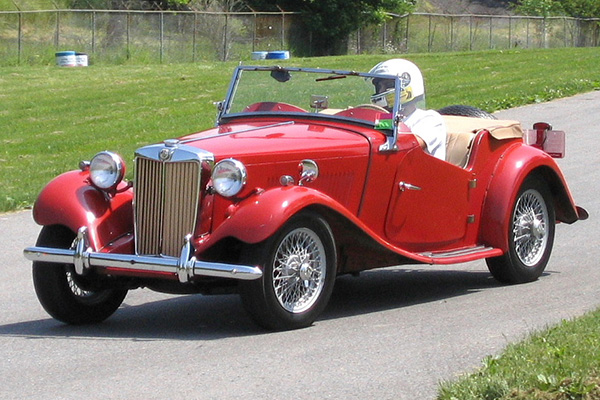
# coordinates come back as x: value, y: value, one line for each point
x: 66, y: 296
x: 299, y: 268
x: 530, y: 236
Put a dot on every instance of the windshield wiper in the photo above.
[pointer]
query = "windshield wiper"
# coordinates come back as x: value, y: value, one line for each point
x: 329, y: 78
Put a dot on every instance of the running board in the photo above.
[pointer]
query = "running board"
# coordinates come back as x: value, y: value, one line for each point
x: 462, y: 255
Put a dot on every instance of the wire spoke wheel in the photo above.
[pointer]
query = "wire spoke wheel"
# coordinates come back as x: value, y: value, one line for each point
x: 530, y: 235
x: 77, y: 290
x: 529, y: 232
x: 299, y: 270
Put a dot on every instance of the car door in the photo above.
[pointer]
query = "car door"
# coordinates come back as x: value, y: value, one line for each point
x: 428, y: 208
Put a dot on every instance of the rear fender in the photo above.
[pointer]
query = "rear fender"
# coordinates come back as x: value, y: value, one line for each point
x: 70, y: 200
x: 517, y: 164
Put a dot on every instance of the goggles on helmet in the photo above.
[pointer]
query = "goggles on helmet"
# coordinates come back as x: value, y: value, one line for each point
x: 385, y: 99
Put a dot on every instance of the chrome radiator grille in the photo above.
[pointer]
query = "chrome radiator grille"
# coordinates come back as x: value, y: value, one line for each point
x: 166, y: 204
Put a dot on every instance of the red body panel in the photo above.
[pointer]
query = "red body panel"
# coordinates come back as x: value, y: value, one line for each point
x: 70, y: 200
x: 453, y: 208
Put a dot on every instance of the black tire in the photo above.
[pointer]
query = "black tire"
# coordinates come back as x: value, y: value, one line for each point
x: 530, y: 236
x: 466, y: 111
x: 299, y: 268
x: 66, y: 296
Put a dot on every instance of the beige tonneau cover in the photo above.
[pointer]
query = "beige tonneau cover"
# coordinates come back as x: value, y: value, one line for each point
x: 498, y: 128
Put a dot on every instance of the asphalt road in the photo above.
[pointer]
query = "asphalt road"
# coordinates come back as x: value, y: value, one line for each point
x: 390, y: 334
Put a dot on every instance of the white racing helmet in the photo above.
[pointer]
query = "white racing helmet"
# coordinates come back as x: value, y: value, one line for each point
x: 411, y: 79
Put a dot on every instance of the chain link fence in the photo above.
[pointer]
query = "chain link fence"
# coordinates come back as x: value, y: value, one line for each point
x: 418, y: 33
x: 33, y: 37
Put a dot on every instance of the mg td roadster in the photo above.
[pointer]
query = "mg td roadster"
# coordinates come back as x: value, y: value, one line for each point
x: 284, y: 195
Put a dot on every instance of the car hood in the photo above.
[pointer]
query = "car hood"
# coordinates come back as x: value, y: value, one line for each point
x: 257, y: 142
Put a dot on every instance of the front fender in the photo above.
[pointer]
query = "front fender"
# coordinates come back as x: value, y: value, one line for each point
x: 261, y: 215
x: 258, y: 217
x: 514, y: 167
x: 71, y: 201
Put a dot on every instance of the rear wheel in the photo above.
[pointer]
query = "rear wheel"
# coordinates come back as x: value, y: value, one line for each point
x: 66, y: 296
x: 299, y: 267
x: 530, y: 236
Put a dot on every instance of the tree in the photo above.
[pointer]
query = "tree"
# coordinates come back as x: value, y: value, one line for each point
x: 581, y: 8
x: 543, y: 8
x: 572, y: 8
x: 323, y: 26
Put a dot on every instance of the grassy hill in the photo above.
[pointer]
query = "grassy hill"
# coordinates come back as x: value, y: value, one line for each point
x: 433, y: 6
x: 29, y: 5
x: 485, y: 7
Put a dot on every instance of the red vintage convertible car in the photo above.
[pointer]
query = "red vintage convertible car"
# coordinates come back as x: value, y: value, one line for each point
x: 282, y: 196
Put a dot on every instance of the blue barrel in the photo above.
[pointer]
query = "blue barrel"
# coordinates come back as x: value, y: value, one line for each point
x: 278, y: 55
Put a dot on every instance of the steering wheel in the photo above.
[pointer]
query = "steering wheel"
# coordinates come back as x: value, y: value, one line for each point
x: 372, y: 107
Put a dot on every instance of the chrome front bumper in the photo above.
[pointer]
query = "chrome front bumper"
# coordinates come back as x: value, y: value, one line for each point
x: 186, y: 266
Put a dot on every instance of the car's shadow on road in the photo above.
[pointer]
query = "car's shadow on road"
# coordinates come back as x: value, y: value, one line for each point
x: 386, y: 289
x: 196, y: 317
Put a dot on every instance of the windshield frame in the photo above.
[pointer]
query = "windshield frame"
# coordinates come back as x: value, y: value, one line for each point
x: 225, y: 106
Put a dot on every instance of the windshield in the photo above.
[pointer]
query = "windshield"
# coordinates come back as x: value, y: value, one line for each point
x: 323, y: 93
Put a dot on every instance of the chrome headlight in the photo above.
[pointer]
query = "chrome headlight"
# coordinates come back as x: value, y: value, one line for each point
x: 106, y: 170
x: 229, y: 177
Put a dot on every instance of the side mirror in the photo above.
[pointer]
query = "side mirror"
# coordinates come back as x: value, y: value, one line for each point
x: 281, y: 75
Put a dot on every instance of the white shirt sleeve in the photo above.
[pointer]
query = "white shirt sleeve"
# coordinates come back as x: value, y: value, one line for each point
x: 429, y: 126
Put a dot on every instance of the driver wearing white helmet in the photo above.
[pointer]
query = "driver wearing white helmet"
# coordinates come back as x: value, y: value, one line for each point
x: 427, y: 125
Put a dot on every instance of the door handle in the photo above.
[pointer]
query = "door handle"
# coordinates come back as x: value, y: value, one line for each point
x: 404, y: 186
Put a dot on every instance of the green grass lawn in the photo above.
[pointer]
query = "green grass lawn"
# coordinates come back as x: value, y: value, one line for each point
x: 51, y: 118
x: 560, y: 363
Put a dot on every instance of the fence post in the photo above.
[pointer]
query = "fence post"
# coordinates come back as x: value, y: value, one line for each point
x: 225, y: 38
x: 451, y: 33
x: 128, y: 33
x: 407, y: 31
x: 162, y: 35
x: 57, y: 33
x: 93, y: 32
x: 470, y: 32
x: 194, y: 33
x: 544, y: 33
x: 429, y: 40
x: 254, y: 28
x: 527, y: 33
x: 384, y: 36
x: 19, y: 33
x: 491, y: 31
x: 509, y: 32
x: 20, y: 38
x: 282, y: 30
x: 565, y: 29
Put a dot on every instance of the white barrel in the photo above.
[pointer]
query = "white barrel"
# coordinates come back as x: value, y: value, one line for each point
x: 259, y: 55
x: 81, y: 59
x: 66, y: 59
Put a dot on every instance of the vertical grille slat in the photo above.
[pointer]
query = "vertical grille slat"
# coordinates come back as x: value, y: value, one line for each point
x: 166, y: 204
